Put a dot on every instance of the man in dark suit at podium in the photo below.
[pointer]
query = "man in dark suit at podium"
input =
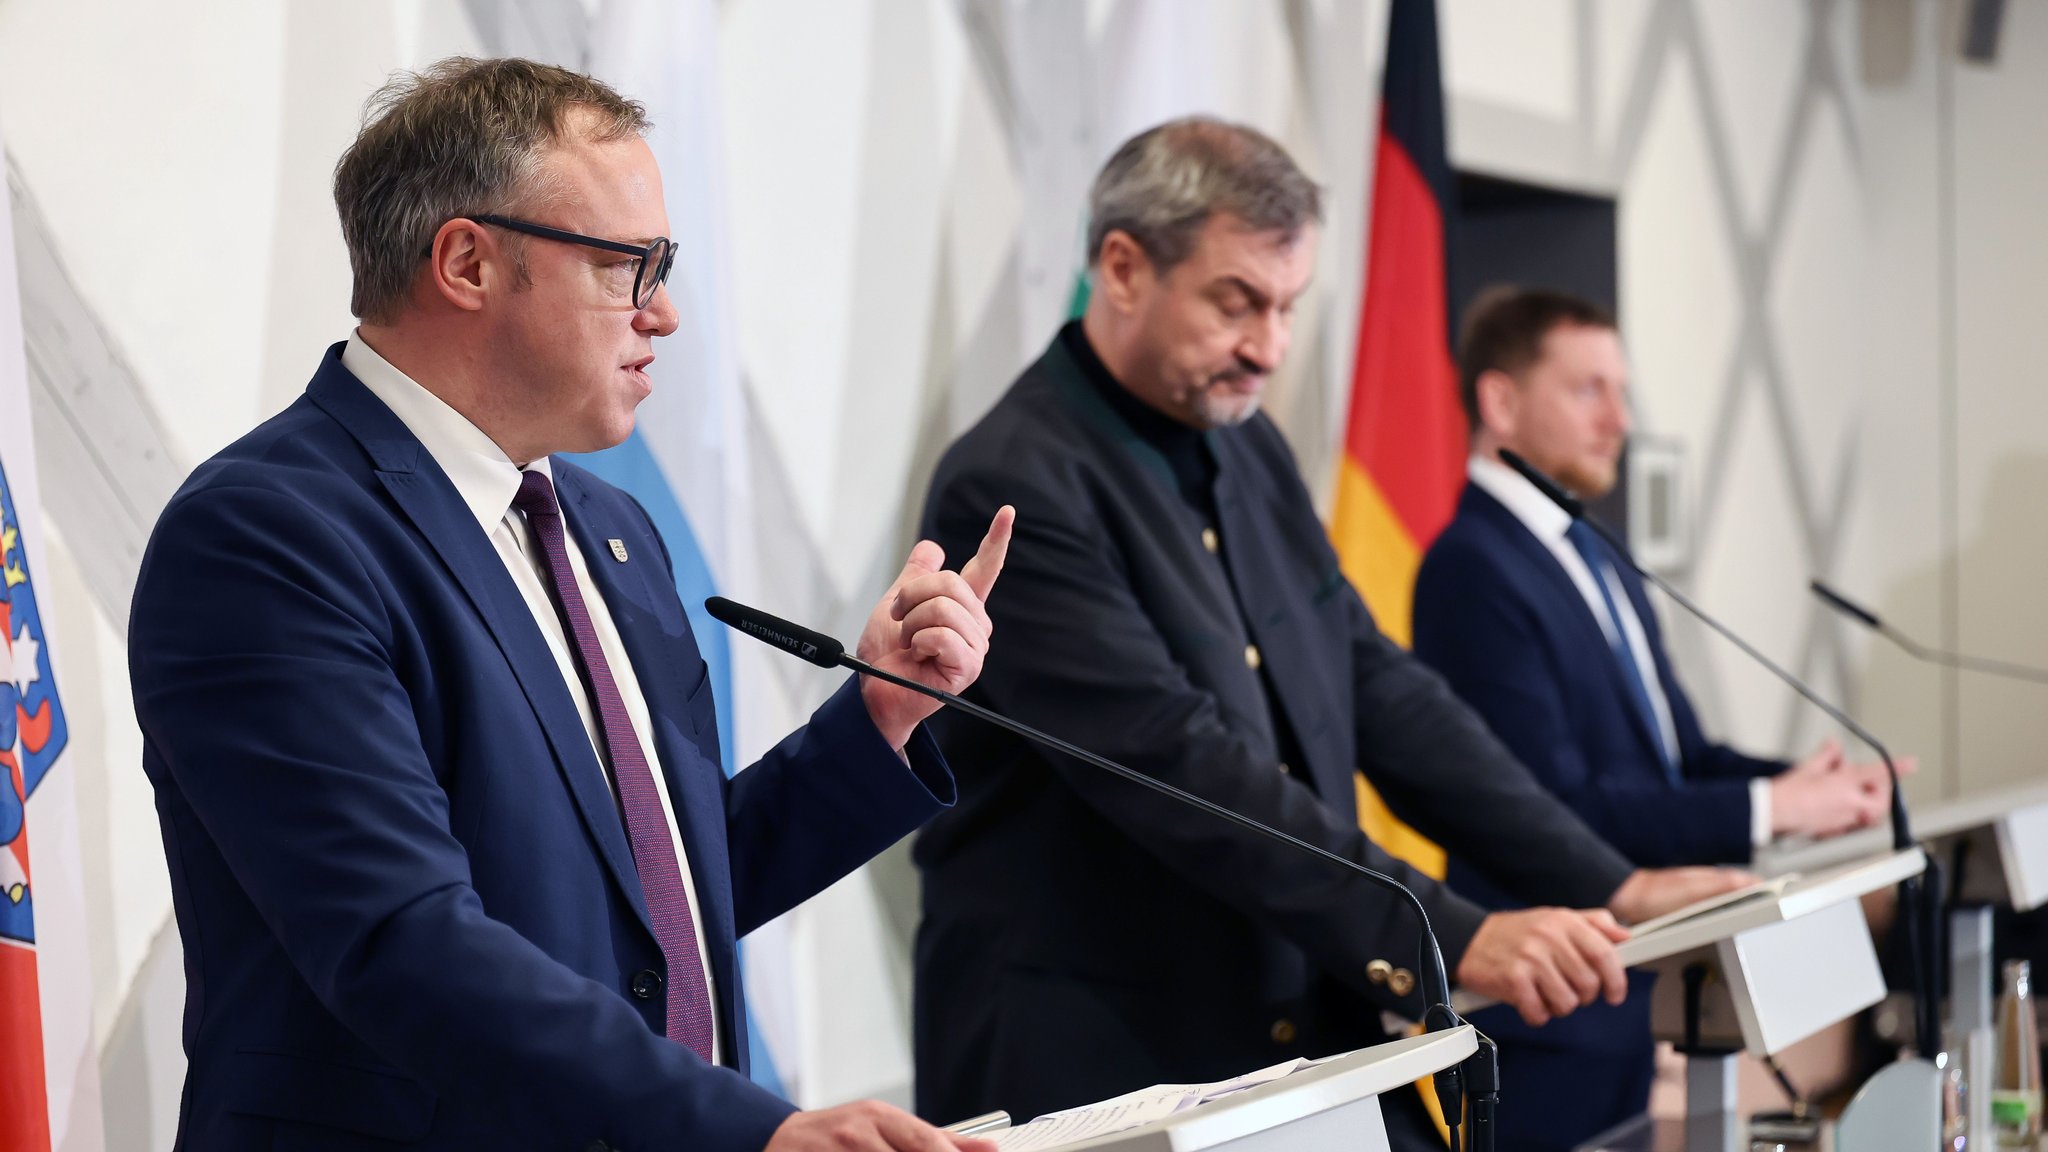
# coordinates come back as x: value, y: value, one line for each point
x: 1546, y: 634
x: 1174, y: 604
x: 454, y: 861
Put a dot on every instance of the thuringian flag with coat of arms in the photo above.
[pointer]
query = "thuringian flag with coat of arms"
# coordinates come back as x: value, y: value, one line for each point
x: 32, y: 735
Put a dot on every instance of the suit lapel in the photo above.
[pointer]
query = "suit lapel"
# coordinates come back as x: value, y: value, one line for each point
x: 424, y: 493
x: 1567, y: 602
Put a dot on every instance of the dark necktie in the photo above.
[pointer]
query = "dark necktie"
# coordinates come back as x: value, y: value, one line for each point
x: 1594, y: 550
x: 654, y: 853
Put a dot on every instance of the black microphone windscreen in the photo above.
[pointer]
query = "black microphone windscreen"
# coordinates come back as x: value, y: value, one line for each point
x: 794, y: 639
x: 1844, y: 605
x: 1551, y: 489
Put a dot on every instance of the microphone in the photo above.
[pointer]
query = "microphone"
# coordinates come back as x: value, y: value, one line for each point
x: 1556, y: 494
x: 825, y: 652
x: 795, y: 639
x: 1867, y: 618
x: 1919, y: 927
x: 1902, y: 834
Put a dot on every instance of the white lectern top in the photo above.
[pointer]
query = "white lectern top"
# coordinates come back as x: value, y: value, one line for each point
x: 2014, y: 820
x: 1776, y: 968
x: 1283, y: 1113
x: 1788, y: 900
x: 1792, y: 957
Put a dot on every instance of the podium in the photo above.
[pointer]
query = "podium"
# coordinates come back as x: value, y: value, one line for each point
x: 1755, y: 974
x: 1781, y: 965
x: 1995, y: 844
x: 2002, y: 834
x: 1332, y: 1104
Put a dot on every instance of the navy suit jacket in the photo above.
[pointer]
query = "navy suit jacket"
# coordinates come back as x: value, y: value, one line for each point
x: 1499, y: 618
x: 410, y: 914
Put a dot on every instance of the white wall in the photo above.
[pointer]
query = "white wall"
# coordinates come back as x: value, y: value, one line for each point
x: 1830, y: 231
x: 2000, y: 467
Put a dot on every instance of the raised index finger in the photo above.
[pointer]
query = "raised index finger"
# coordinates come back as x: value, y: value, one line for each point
x: 981, y: 572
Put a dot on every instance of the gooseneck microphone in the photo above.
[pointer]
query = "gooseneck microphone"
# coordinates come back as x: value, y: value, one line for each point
x: 1864, y: 616
x: 1920, y: 921
x: 1902, y: 833
x: 826, y: 652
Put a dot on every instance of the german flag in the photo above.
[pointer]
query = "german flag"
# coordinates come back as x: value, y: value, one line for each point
x: 1404, y: 442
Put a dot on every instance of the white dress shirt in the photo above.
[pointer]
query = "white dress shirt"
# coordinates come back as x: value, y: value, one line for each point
x: 1548, y: 523
x: 487, y: 480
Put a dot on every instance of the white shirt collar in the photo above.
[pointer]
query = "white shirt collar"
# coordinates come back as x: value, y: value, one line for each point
x: 1544, y: 520
x: 483, y: 475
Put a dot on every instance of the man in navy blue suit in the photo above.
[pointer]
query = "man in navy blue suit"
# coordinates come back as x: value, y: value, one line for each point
x: 1545, y: 633
x: 433, y: 747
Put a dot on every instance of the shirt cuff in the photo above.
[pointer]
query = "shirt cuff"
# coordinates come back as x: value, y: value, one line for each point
x: 1760, y: 811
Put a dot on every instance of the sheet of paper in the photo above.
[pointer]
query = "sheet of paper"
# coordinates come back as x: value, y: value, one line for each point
x: 1133, y: 1109
x: 1773, y: 887
x: 1106, y: 1118
x: 1252, y: 1079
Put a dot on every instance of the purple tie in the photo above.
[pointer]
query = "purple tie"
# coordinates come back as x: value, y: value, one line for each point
x: 654, y: 853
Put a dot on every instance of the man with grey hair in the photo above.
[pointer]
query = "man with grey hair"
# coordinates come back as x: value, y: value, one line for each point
x: 434, y: 751
x: 1185, y: 615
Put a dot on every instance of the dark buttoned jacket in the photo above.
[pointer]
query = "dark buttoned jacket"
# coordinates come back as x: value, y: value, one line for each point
x: 1083, y: 936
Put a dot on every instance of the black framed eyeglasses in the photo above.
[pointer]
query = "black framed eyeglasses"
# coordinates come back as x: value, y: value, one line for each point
x: 656, y: 258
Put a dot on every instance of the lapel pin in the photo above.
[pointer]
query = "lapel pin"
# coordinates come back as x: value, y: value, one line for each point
x: 618, y: 550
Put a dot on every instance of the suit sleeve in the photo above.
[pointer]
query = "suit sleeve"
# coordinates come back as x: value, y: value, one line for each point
x: 823, y: 801
x: 1702, y: 758
x: 1074, y: 653
x: 264, y: 664
x: 1441, y: 770
x: 1487, y: 648
x: 1721, y: 762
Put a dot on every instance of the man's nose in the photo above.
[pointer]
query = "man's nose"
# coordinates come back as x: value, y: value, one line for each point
x: 660, y: 316
x: 1265, y: 346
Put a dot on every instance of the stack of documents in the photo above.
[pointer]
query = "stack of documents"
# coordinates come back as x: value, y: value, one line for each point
x: 1132, y: 1109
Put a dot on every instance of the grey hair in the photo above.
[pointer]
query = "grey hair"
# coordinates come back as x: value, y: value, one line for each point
x: 1165, y: 183
x: 461, y: 137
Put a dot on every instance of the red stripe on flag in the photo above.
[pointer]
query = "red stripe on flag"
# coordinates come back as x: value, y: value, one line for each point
x: 24, y: 1104
x: 1407, y: 430
x: 23, y: 1099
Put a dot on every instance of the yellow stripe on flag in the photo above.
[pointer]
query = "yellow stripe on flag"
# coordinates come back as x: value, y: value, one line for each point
x: 1380, y: 559
x: 1378, y: 554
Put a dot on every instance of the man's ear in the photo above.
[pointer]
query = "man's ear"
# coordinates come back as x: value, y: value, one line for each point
x: 1500, y: 402
x: 1121, y: 271
x: 465, y: 263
